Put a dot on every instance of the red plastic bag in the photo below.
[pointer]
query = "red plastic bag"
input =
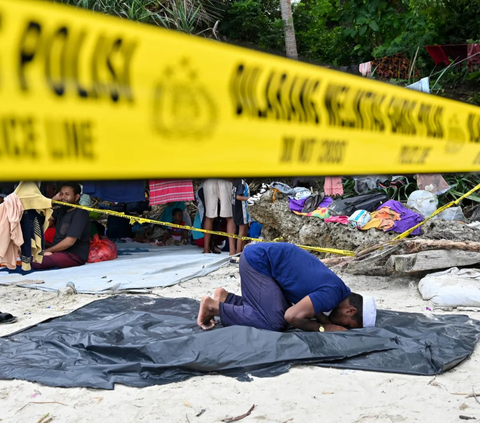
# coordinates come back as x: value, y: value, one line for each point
x: 102, y: 249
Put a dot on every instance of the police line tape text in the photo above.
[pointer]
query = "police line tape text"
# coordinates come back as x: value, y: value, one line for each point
x: 73, y: 61
x: 20, y: 138
x: 258, y: 93
x: 312, y: 150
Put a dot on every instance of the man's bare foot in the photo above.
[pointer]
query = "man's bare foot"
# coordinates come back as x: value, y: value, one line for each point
x: 208, y: 310
x: 220, y: 295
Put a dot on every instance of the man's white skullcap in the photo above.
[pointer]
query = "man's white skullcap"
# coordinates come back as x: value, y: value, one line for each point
x: 369, y: 311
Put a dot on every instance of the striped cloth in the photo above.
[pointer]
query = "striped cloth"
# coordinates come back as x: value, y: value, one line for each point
x: 164, y: 191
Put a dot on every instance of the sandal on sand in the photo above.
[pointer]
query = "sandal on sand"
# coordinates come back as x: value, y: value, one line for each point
x: 235, y: 260
x: 7, y: 318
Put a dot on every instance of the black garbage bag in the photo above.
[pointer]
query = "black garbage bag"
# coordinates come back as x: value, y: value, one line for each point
x: 142, y: 341
x: 347, y: 206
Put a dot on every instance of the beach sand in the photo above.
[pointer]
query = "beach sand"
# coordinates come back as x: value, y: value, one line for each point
x: 304, y: 394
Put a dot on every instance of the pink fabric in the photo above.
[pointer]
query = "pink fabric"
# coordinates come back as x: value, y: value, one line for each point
x: 11, y: 237
x: 333, y: 186
x: 169, y: 191
x: 338, y: 219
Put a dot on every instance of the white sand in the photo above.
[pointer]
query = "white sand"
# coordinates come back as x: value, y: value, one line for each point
x: 305, y: 394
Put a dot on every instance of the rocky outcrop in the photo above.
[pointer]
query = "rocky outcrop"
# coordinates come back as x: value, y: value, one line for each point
x: 279, y: 221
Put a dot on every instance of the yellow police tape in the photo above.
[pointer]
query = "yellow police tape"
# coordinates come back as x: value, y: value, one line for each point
x: 87, y: 96
x: 439, y: 210
x: 143, y: 220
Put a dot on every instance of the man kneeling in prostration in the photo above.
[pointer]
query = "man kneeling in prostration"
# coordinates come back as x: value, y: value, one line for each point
x: 284, y: 285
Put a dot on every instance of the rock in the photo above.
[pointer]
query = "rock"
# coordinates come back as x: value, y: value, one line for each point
x: 279, y: 221
x: 432, y: 260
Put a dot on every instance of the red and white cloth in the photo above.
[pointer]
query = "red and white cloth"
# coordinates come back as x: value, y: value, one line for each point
x: 164, y: 191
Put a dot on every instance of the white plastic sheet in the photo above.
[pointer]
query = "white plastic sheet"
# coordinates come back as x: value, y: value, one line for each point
x: 133, y: 269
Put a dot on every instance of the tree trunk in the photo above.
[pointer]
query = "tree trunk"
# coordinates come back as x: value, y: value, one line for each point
x: 290, y: 42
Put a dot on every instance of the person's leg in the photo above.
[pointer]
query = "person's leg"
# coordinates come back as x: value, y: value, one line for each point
x: 225, y: 194
x: 208, y: 225
x: 242, y: 231
x: 210, y: 191
x: 223, y: 296
x: 231, y: 230
x: 59, y: 260
x: 209, y: 308
x: 264, y: 304
x: 220, y: 295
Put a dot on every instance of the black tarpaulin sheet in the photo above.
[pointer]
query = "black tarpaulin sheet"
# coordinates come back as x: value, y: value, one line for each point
x: 141, y: 341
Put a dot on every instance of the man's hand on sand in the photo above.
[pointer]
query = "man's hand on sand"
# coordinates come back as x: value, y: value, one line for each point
x: 334, y: 328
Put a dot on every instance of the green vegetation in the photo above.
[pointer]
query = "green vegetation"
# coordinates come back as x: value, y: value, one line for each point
x: 333, y: 32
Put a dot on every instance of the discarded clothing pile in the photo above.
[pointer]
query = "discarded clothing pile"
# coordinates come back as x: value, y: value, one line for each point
x: 24, y: 218
x: 140, y: 341
x: 372, y: 207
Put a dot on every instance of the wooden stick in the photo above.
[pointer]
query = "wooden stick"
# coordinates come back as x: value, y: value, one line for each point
x: 236, y: 419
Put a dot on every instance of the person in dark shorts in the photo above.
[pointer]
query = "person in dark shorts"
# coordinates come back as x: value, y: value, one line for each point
x: 240, y: 196
x: 71, y: 243
x: 284, y: 285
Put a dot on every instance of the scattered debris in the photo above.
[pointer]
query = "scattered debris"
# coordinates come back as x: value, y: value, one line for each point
x: 242, y: 416
x: 201, y: 412
x: 466, y: 417
x: 474, y: 395
x: 45, y: 419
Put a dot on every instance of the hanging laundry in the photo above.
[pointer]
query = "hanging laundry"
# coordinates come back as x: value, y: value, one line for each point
x: 333, y: 186
x: 437, y: 54
x: 366, y: 69
x: 116, y: 191
x: 443, y: 53
x: 32, y: 199
x: 166, y: 191
x: 11, y: 237
x: 433, y: 183
x: 34, y: 242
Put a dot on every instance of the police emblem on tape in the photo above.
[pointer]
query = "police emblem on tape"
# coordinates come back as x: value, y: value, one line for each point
x: 182, y: 107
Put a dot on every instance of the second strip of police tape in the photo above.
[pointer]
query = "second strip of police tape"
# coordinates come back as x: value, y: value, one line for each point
x: 142, y: 220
